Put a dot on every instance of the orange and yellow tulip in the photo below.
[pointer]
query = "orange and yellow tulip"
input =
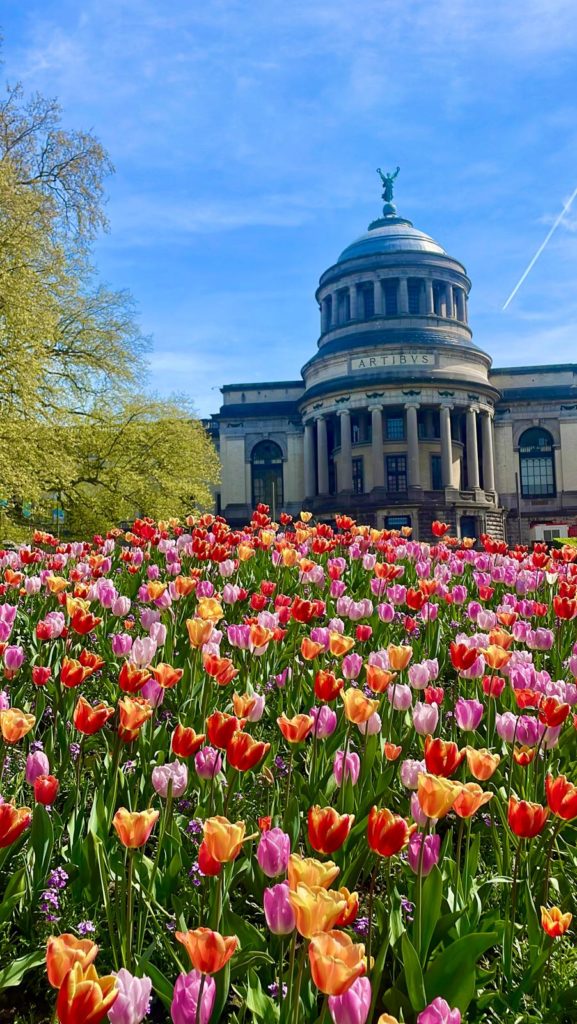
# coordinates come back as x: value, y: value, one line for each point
x: 63, y: 951
x: 399, y: 656
x: 336, y: 962
x: 436, y: 795
x: 223, y: 838
x: 554, y: 922
x: 311, y: 872
x: 328, y: 829
x: 470, y: 799
x: 358, y: 708
x: 84, y: 996
x: 482, y: 763
x: 316, y: 909
x: 15, y: 724
x: 134, y: 827
x: 296, y: 729
x: 339, y: 644
x: 167, y: 676
x: 208, y: 951
x: 199, y: 632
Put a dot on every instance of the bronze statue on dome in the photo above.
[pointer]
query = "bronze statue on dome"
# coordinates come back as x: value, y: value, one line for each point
x: 387, y: 180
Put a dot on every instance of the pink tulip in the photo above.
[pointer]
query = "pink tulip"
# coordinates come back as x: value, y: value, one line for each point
x: 439, y: 1012
x: 257, y: 711
x: 185, y: 998
x: 133, y: 999
x: 431, y: 852
x: 153, y: 692
x: 400, y: 696
x: 372, y: 726
x: 278, y: 911
x: 207, y: 762
x: 425, y: 718
x: 325, y: 721
x: 468, y: 714
x: 121, y: 644
x: 348, y: 767
x: 273, y: 852
x: 36, y: 764
x: 175, y: 772
x: 352, y: 1007
x: 13, y: 659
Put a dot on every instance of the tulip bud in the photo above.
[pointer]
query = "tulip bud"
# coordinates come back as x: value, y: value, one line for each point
x: 325, y: 721
x: 348, y: 767
x: 430, y: 855
x: 183, y: 1009
x: 354, y: 1005
x: 278, y: 911
x: 425, y: 718
x: 439, y: 1012
x: 175, y: 772
x: 36, y: 764
x: 207, y: 762
x: 133, y: 999
x: 46, y: 789
x: 273, y: 852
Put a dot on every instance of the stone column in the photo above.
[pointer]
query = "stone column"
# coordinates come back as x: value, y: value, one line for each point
x: 335, y: 310
x: 377, y: 446
x: 325, y: 318
x: 472, y: 450
x: 413, y: 468
x: 460, y: 297
x: 450, y: 301
x: 346, y: 460
x: 403, y: 295
x: 488, y: 454
x: 429, y: 298
x: 309, y: 460
x: 322, y: 456
x: 378, y: 298
x: 353, y: 295
x: 446, y: 447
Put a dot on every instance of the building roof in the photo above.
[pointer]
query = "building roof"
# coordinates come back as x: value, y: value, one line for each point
x: 263, y: 385
x: 542, y: 368
x: 391, y: 234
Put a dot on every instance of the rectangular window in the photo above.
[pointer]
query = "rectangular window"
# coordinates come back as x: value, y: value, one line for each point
x: 396, y: 467
x: 436, y: 473
x: 395, y: 428
x: 390, y: 290
x: 414, y: 290
x: 366, y: 300
x: 397, y: 522
x: 343, y: 307
x: 358, y: 476
x: 537, y: 480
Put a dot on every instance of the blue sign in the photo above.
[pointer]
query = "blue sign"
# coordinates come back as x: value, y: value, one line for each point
x: 57, y: 515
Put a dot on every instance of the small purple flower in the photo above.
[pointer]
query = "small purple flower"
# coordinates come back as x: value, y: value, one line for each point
x: 85, y: 928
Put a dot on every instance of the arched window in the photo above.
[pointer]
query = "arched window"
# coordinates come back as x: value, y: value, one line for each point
x: 537, y: 463
x: 267, y: 475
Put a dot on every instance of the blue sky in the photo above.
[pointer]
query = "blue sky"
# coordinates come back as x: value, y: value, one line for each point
x: 245, y: 137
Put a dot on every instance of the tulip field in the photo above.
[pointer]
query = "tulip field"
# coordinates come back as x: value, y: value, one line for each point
x: 297, y: 772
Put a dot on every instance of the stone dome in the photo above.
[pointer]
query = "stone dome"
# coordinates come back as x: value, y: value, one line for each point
x: 391, y: 234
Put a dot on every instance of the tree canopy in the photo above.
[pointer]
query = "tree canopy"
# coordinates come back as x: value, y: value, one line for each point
x: 75, y: 423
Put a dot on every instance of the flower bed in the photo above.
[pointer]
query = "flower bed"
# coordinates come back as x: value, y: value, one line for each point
x: 291, y: 773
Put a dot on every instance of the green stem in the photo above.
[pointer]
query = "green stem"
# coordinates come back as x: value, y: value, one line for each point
x: 371, y: 897
x: 295, y: 1007
x: 458, y: 860
x: 129, y: 909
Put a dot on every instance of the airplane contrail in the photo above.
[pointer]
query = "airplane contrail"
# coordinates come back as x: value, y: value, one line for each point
x: 565, y: 209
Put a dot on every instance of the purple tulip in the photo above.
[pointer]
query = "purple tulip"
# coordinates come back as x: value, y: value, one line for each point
x: 121, y: 644
x: 431, y: 852
x: 372, y: 726
x: 175, y: 772
x: 153, y: 692
x: 425, y: 718
x: 325, y: 721
x: 400, y: 696
x: 348, y: 767
x: 143, y: 651
x: 207, y: 762
x: 529, y: 730
x: 278, y: 911
x: 185, y: 998
x: 439, y: 1012
x: 352, y: 1007
x: 36, y: 764
x: 273, y: 852
x: 410, y: 771
x: 418, y: 676
x: 505, y: 725
x: 351, y: 665
x: 468, y: 714
x: 133, y: 999
x: 148, y: 616
x: 13, y: 658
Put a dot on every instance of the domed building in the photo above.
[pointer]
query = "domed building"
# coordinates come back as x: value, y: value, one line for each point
x: 398, y: 418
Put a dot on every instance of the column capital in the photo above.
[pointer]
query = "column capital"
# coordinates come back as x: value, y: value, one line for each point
x: 447, y: 405
x: 343, y: 412
x: 412, y: 405
x: 375, y: 408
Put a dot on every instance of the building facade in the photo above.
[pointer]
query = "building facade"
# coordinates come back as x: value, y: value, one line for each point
x: 399, y: 418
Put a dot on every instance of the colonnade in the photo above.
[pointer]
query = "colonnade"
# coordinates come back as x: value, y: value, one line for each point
x: 316, y: 450
x: 393, y: 296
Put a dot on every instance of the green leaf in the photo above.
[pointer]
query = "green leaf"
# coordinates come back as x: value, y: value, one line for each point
x: 13, y: 893
x: 413, y: 974
x: 250, y: 938
x: 260, y: 1005
x: 42, y: 840
x: 432, y: 897
x: 452, y: 974
x: 13, y: 974
x: 160, y: 983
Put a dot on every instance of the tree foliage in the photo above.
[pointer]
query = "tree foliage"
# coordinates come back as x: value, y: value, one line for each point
x: 74, y: 421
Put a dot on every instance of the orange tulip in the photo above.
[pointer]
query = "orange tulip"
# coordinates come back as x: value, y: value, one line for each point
x: 470, y: 799
x: 387, y: 1018
x: 500, y: 637
x: 351, y: 910
x: 155, y: 589
x: 223, y: 838
x: 209, y: 609
x: 84, y: 997
x: 378, y: 679
x: 387, y: 833
x: 134, y: 827
x: 336, y: 962
x: 84, y: 622
x: 131, y: 679
x: 89, y: 719
x: 220, y: 727
x: 442, y: 757
x: 399, y: 657
x: 15, y: 724
x: 167, y: 676
x: 339, y: 644
x: 185, y: 741
x: 316, y: 909
x: 358, y: 708
x: 56, y: 584
x: 222, y: 670
x: 310, y: 648
x: 295, y: 730
x: 310, y: 872
x: 184, y: 585
x: 554, y: 922
x: 482, y: 763
x: 561, y: 797
x: 244, y: 752
x: 133, y: 712
x: 244, y: 704
x: 199, y: 632
x: 91, y: 661
x: 72, y: 672
x: 495, y: 657
x: 13, y: 821
x: 208, y: 951
x: 391, y: 751
x: 526, y: 819
x: 327, y: 686
x: 328, y: 829
x: 524, y: 755
x: 259, y: 637
x: 436, y: 795
x: 63, y: 951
